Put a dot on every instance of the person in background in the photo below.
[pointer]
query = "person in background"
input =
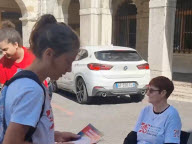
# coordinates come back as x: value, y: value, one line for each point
x: 158, y: 123
x: 7, y: 24
x: 15, y: 56
x: 55, y: 47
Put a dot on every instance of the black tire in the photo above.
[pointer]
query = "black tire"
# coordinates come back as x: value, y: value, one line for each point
x: 81, y: 92
x: 137, y: 97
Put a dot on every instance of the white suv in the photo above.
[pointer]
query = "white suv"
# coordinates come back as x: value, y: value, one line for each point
x: 106, y: 71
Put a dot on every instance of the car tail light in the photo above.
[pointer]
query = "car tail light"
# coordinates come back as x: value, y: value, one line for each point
x: 98, y: 87
x: 143, y: 66
x: 97, y: 67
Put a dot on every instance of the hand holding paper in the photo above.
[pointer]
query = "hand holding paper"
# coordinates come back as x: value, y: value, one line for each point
x: 65, y: 136
x: 89, y: 135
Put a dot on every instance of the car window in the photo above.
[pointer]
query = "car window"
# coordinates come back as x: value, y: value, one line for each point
x: 82, y: 54
x: 117, y: 55
x: 78, y: 55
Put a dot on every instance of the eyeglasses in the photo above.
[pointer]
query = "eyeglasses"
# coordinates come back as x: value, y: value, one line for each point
x: 152, y: 90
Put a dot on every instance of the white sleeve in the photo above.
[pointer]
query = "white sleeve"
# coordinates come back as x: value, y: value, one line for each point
x: 27, y: 107
x: 138, y: 123
x: 173, y: 128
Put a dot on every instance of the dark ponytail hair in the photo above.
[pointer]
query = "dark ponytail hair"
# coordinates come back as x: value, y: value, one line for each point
x: 48, y: 33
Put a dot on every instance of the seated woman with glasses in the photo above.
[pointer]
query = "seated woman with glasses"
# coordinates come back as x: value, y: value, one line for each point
x: 158, y: 123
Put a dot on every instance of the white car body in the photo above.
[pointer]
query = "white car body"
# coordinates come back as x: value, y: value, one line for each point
x: 105, y: 82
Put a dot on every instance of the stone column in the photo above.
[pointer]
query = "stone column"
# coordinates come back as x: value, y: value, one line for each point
x: 57, y: 10
x: 27, y: 25
x: 66, y: 18
x: 30, y: 12
x: 95, y: 26
x: 44, y: 7
x: 106, y: 26
x: 161, y: 34
x: 65, y: 6
x: 53, y: 7
x: 59, y: 13
x: 50, y: 6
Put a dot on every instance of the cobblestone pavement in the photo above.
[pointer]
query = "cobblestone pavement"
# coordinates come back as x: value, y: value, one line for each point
x: 114, y: 117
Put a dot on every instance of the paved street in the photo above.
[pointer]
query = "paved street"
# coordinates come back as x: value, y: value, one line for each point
x: 114, y: 117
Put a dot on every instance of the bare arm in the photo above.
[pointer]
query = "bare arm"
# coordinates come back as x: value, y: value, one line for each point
x: 15, y: 134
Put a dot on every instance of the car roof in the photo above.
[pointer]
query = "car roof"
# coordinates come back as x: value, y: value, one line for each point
x: 104, y: 48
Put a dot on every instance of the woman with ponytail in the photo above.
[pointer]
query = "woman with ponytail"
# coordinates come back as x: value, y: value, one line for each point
x: 55, y: 46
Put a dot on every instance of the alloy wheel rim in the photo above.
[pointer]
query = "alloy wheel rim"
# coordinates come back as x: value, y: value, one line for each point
x: 80, y: 91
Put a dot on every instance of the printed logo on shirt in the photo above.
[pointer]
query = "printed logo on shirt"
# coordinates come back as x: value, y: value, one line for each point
x: 50, y: 117
x: 144, y: 128
x: 149, y: 129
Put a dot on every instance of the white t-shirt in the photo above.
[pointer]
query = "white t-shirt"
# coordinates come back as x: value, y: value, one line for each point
x: 160, y: 128
x: 23, y: 105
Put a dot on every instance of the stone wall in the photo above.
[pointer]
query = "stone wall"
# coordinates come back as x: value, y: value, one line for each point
x: 182, y: 63
x: 9, y: 4
x: 142, y: 28
x: 142, y: 24
x: 96, y: 18
x: 73, y: 16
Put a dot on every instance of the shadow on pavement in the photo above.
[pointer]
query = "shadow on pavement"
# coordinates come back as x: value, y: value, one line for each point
x: 102, y: 100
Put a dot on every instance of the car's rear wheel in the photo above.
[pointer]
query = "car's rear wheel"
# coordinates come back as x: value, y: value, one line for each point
x: 81, y: 92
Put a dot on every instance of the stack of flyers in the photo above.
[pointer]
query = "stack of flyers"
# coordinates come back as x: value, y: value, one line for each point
x: 89, y: 135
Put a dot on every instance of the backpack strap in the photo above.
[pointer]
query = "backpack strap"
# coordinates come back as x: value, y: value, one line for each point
x: 33, y: 76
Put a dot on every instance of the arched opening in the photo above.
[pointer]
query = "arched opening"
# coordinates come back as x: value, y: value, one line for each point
x: 73, y: 15
x: 9, y: 10
x: 183, y: 27
x: 125, y: 25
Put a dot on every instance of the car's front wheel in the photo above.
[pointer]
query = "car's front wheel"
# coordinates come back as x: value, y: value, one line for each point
x: 53, y: 86
x: 81, y: 92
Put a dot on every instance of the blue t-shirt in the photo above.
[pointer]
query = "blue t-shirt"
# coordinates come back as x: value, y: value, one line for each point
x: 23, y: 105
x: 161, y: 128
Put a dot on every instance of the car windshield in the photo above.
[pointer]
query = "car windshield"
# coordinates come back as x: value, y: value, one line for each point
x: 115, y: 55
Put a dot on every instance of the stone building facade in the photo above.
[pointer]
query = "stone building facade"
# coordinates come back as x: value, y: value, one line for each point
x: 146, y: 25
